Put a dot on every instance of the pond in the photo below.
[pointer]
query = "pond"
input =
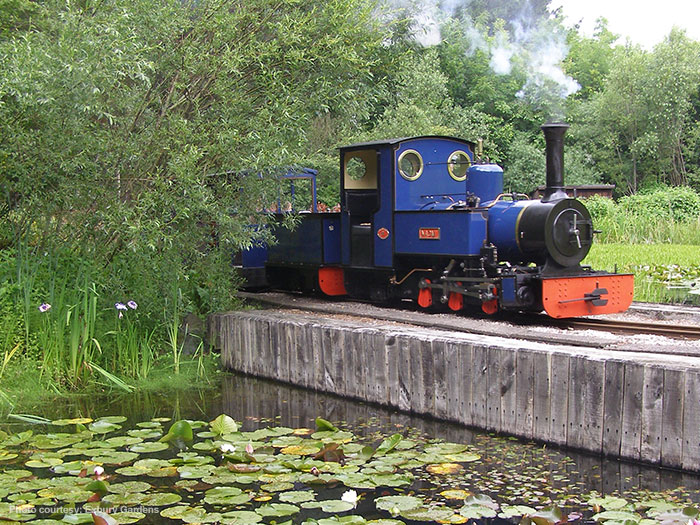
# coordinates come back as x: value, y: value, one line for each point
x: 291, y: 455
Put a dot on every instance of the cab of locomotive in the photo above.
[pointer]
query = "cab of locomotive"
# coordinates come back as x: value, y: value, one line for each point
x: 406, y: 196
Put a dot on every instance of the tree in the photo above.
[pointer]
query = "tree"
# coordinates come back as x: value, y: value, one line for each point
x: 674, y: 80
x: 589, y: 59
x: 639, y: 122
x: 124, y: 129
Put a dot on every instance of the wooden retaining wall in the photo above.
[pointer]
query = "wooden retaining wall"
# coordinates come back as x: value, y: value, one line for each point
x: 631, y: 405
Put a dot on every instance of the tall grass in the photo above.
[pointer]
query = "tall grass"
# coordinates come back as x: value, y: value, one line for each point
x: 654, y: 235
x: 620, y: 228
x: 663, y: 272
x: 172, y: 327
x: 53, y: 308
x: 664, y: 216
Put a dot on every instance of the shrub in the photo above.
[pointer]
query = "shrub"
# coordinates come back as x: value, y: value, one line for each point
x: 664, y: 215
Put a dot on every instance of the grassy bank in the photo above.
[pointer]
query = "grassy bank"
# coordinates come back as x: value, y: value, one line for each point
x: 25, y: 389
x: 663, y: 272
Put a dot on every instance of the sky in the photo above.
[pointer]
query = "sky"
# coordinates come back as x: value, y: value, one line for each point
x: 645, y: 22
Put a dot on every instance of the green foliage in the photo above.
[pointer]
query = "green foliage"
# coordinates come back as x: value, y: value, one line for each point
x: 590, y: 59
x: 526, y: 170
x: 181, y: 96
x: 18, y: 15
x: 663, y: 273
x: 125, y: 137
x: 639, y: 121
x: 666, y: 215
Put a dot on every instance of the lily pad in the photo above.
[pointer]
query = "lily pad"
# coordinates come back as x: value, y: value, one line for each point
x: 113, y: 419
x: 388, y: 444
x: 277, y: 510
x: 122, y: 441
x: 161, y: 499
x: 78, y: 518
x: 195, y: 471
x: 149, y: 424
x: 126, y: 518
x: 151, y: 446
x: 278, y: 486
x: 336, y: 505
x: 103, y: 427
x: 398, y: 503
x: 306, y: 449
x: 322, y: 424
x: 74, y: 421
x: 445, y: 468
x: 224, y: 425
x: 180, y: 430
x: 129, y: 486
x: 455, y: 494
x: 43, y: 463
x: 145, y: 433
x: 115, y: 458
x: 475, y: 512
x: 297, y: 496
x: 432, y: 513
x: 127, y: 498
x: 510, y: 511
x: 191, y: 514
x: 226, y: 496
x: 241, y: 517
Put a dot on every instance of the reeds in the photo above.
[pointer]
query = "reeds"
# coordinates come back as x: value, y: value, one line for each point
x: 52, y: 310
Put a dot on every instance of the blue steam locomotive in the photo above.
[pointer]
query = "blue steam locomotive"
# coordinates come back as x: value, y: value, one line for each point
x: 424, y: 219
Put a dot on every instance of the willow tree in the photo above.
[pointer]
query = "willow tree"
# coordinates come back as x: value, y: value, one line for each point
x: 123, y: 122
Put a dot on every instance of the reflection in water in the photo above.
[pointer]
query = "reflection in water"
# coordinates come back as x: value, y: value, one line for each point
x: 256, y: 402
x: 505, y: 461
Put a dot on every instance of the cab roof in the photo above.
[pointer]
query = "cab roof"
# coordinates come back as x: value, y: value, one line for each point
x: 392, y: 142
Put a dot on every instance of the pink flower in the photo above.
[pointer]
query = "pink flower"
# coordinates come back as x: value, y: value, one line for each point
x: 249, y: 448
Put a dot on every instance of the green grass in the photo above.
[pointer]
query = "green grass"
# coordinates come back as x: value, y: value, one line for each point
x: 663, y: 272
x: 25, y: 391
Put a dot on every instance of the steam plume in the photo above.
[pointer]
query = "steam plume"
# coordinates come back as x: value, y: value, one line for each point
x: 532, y: 44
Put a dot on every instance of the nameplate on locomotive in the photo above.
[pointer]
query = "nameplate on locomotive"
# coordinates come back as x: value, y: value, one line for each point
x: 429, y: 233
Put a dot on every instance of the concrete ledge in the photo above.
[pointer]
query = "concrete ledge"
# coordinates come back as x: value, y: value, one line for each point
x: 632, y: 405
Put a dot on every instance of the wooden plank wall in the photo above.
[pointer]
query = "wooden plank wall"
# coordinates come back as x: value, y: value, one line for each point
x: 635, y: 406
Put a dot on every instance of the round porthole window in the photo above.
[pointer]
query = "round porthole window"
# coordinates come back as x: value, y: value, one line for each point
x: 410, y: 164
x: 458, y: 164
x: 355, y: 168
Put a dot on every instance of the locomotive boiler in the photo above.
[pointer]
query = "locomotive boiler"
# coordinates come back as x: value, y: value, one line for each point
x: 422, y: 219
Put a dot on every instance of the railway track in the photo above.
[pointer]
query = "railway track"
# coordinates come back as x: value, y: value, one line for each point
x: 536, y: 328
x: 689, y: 332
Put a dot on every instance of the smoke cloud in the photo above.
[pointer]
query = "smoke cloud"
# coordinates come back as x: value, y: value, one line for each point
x: 535, y: 46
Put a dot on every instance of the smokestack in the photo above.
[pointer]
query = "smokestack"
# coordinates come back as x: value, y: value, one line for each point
x: 554, y: 137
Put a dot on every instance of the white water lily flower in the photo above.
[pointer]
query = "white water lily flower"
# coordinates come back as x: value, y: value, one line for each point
x: 98, y: 471
x: 227, y: 447
x: 249, y: 448
x: 350, y: 496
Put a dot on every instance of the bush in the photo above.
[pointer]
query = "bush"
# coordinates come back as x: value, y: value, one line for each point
x: 600, y: 207
x: 679, y: 203
x: 665, y: 215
